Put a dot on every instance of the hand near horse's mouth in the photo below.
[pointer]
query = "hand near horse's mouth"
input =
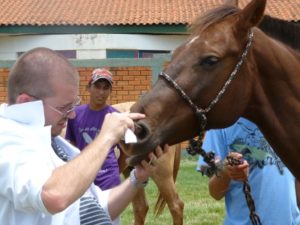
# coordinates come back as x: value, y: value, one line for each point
x: 154, y: 160
x: 150, y: 158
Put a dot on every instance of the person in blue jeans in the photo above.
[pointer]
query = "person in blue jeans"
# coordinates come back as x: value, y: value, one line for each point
x: 273, y: 187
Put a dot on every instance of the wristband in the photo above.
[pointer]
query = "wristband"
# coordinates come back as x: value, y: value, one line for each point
x: 135, y: 182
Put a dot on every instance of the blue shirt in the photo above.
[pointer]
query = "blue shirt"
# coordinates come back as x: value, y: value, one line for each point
x: 272, y: 184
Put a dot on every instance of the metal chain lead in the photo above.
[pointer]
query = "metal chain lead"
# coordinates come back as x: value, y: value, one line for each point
x: 213, y: 168
x: 247, y: 192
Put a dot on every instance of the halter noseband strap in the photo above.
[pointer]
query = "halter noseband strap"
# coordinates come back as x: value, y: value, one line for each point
x: 200, y: 113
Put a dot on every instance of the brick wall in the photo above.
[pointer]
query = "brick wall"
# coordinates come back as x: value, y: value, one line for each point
x: 3, y: 84
x: 129, y: 83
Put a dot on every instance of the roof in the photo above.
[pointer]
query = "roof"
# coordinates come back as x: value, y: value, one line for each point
x: 122, y: 12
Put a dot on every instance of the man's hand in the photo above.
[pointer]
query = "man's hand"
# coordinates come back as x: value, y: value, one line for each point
x: 146, y: 169
x: 116, y: 124
x: 237, y: 172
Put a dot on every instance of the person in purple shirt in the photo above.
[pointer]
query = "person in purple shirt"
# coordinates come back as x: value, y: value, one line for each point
x: 88, y: 121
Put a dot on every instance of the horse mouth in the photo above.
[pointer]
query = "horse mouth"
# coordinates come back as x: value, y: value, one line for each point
x: 139, y: 151
x: 136, y: 159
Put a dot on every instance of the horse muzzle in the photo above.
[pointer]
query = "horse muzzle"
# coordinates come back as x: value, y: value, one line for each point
x: 145, y: 144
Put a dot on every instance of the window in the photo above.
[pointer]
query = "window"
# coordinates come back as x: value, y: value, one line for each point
x: 133, y: 53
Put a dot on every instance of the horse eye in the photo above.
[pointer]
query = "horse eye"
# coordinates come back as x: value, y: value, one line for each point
x: 209, y: 62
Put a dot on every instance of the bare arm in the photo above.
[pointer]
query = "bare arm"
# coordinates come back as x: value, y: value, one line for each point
x: 120, y: 197
x: 70, y: 181
x: 218, y: 185
x: 123, y: 194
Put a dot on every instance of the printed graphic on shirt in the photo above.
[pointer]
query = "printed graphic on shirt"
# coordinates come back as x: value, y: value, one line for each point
x: 86, y: 136
x: 255, y: 149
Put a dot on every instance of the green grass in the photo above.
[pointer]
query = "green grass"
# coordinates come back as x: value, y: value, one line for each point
x: 199, y: 207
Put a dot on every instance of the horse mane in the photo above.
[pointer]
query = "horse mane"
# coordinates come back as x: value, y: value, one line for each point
x: 282, y: 30
x: 212, y: 16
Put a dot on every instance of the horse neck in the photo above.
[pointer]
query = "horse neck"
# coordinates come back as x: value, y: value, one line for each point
x: 275, y: 106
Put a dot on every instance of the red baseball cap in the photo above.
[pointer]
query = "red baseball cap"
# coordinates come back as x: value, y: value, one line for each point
x: 101, y: 73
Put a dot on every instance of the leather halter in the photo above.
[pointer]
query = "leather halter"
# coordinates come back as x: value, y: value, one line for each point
x: 200, y: 113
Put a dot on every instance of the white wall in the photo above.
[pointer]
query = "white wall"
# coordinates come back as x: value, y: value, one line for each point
x: 88, y: 46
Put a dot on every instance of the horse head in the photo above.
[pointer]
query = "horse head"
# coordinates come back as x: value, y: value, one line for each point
x: 195, y: 92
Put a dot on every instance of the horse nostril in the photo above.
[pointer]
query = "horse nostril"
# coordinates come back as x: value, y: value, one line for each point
x: 141, y: 130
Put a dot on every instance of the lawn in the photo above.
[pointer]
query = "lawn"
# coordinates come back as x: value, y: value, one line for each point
x: 199, y: 208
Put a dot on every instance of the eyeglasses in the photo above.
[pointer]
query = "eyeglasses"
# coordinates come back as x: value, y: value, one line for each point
x: 66, y: 113
x: 63, y: 113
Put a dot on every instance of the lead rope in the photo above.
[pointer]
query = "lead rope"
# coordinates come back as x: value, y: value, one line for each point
x: 247, y: 192
x: 213, y: 168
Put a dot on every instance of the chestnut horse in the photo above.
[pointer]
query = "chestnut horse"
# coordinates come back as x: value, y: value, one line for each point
x: 228, y: 68
x: 164, y: 179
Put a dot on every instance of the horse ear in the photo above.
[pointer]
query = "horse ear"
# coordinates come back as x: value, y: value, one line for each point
x: 251, y: 15
x: 231, y: 2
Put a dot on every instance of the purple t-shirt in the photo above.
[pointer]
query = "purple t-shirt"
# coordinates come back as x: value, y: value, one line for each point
x: 82, y: 130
